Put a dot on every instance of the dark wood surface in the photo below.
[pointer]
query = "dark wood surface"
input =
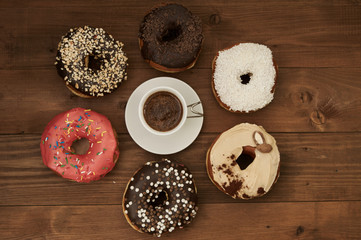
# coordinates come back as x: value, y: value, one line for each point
x: 315, y: 118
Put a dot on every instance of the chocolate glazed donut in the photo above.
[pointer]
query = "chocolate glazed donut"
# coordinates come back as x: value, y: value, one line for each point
x: 170, y: 38
x: 160, y: 197
x: 91, y: 62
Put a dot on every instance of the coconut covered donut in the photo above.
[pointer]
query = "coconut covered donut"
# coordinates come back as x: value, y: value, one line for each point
x: 91, y: 62
x: 244, y: 77
x: 244, y: 161
x: 160, y: 197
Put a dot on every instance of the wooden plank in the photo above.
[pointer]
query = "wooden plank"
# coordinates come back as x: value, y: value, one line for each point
x: 306, y: 100
x: 314, y: 167
x: 300, y: 34
x: 322, y: 220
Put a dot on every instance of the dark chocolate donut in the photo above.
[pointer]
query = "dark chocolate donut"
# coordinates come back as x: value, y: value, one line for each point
x: 170, y: 38
x: 91, y: 62
x: 160, y: 197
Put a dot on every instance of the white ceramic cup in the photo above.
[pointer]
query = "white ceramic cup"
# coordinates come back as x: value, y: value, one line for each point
x: 162, y: 89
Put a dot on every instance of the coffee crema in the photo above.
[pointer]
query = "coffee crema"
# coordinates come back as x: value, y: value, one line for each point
x: 162, y: 111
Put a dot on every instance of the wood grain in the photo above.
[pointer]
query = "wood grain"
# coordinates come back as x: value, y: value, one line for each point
x: 322, y: 220
x: 300, y: 34
x: 314, y: 167
x: 306, y: 100
x: 315, y: 118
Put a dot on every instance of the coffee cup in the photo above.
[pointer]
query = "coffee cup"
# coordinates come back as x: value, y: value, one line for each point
x: 162, y: 110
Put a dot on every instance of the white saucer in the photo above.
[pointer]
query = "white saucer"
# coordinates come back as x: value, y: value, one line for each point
x: 163, y: 144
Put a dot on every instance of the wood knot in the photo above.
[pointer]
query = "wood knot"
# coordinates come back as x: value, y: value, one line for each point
x: 305, y: 97
x: 317, y: 117
x: 214, y: 19
x: 299, y: 230
x: 122, y: 105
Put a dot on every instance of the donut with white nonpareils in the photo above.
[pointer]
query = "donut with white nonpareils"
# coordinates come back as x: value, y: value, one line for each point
x: 244, y: 161
x: 244, y: 77
x: 160, y: 197
x: 91, y: 62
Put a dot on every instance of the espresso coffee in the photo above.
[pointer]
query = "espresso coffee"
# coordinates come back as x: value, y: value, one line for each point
x: 163, y: 111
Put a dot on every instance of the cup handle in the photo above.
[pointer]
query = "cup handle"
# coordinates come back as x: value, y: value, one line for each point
x: 195, y: 112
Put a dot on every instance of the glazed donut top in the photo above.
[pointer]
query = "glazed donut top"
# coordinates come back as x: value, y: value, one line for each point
x: 72, y: 61
x: 244, y: 77
x: 150, y: 212
x: 236, y: 178
x: 171, y: 35
x: 69, y: 126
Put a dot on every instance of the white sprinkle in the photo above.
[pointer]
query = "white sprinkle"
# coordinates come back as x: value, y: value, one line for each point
x: 137, y: 190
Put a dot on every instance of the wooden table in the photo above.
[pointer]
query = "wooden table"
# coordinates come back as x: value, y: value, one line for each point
x: 315, y: 118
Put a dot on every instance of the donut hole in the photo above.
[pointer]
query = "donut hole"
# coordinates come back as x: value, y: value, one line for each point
x: 245, y: 78
x: 159, y: 200
x: 80, y: 146
x: 246, y: 158
x: 93, y: 62
x: 171, y: 33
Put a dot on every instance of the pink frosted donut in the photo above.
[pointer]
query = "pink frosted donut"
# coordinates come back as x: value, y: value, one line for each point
x: 72, y: 125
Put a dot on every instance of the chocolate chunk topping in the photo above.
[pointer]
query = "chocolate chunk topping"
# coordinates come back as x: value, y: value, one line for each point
x: 261, y: 191
x: 233, y: 187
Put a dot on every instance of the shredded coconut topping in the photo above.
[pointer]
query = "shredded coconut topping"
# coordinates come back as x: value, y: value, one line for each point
x: 250, y: 60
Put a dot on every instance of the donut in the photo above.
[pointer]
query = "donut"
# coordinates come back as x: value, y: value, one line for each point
x: 170, y: 38
x: 244, y: 161
x: 91, y: 62
x: 244, y: 77
x: 70, y: 126
x: 160, y: 197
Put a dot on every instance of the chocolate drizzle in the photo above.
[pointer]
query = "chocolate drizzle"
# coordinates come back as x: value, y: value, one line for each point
x: 160, y: 197
x: 171, y: 35
x: 91, y: 61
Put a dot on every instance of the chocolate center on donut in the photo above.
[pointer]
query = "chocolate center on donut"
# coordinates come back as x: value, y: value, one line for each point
x: 93, y: 62
x: 245, y: 78
x: 159, y: 199
x: 80, y: 147
x: 246, y: 158
x: 172, y: 32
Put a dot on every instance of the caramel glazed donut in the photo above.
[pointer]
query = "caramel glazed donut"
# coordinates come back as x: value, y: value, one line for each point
x: 244, y: 161
x: 91, y: 62
x: 170, y: 38
x: 160, y: 197
x: 244, y: 77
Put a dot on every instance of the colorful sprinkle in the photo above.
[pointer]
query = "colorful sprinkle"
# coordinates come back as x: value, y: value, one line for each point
x: 80, y: 118
x: 62, y: 166
x: 66, y: 160
x: 87, y: 110
x: 103, y: 133
x: 62, y: 173
x: 99, y: 141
